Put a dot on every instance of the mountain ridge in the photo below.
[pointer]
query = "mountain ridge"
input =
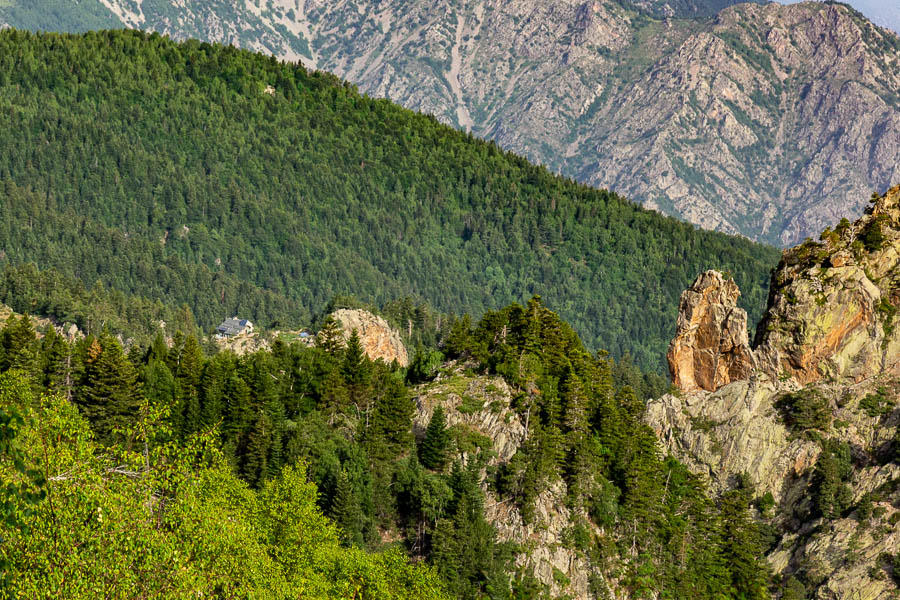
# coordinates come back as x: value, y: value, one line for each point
x: 810, y: 421
x: 739, y: 122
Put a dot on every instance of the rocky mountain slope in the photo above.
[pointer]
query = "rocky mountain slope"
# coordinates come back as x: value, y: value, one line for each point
x: 740, y: 123
x: 810, y: 421
x: 480, y: 418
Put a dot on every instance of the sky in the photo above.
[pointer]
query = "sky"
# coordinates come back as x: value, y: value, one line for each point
x: 882, y: 12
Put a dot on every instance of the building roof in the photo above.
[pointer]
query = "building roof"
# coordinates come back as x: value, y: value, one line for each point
x: 232, y: 326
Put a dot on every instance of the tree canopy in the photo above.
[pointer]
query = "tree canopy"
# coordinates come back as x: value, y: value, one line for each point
x: 202, y: 175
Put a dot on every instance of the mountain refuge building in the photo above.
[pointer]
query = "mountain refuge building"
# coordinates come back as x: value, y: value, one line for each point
x: 233, y: 326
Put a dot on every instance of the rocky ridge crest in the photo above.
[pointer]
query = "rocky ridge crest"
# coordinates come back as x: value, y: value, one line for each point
x: 827, y: 375
x: 479, y: 417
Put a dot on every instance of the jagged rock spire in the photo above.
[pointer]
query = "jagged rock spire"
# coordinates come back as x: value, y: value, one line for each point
x: 711, y: 347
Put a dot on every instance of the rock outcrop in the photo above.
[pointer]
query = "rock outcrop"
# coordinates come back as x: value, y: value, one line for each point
x: 711, y: 347
x: 378, y: 339
x: 480, y: 418
x: 827, y: 346
x: 832, y: 303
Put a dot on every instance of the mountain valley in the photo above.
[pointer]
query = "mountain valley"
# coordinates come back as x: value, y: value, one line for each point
x: 265, y: 336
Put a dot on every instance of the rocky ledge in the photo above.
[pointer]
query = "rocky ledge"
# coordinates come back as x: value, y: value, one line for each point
x: 808, y: 416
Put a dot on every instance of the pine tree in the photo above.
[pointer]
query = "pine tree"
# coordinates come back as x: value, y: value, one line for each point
x: 435, y: 445
x: 394, y: 410
x: 357, y: 371
x: 335, y: 398
x: 346, y: 512
x: 743, y: 551
x: 56, y: 363
x: 157, y: 349
x: 212, y: 391
x: 459, y: 340
x: 159, y: 384
x: 330, y: 338
x: 17, y: 342
x: 256, y: 457
x: 107, y: 392
x: 187, y: 379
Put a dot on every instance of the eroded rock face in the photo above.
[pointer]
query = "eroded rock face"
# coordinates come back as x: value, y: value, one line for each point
x: 832, y: 303
x: 711, y: 348
x: 829, y: 333
x: 378, y: 339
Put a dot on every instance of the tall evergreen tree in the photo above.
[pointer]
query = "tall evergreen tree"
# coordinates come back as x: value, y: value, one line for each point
x: 436, y: 444
x: 330, y: 338
x: 357, y: 371
x: 345, y: 510
x: 187, y: 380
x: 743, y: 551
x: 394, y: 410
x: 17, y: 345
x: 56, y: 363
x: 159, y: 384
x: 107, y: 392
x: 256, y: 456
x: 459, y: 340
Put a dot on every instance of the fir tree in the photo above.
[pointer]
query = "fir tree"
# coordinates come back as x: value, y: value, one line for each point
x: 158, y: 349
x: 393, y: 415
x: 330, y: 338
x: 335, y: 399
x: 158, y: 383
x: 459, y: 340
x: 435, y: 445
x: 345, y: 510
x: 357, y: 372
x: 17, y: 341
x: 187, y: 379
x: 259, y: 443
x: 743, y: 551
x: 56, y: 363
x: 107, y: 393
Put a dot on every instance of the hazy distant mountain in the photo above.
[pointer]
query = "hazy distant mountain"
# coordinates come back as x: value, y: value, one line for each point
x: 882, y: 12
x: 742, y: 122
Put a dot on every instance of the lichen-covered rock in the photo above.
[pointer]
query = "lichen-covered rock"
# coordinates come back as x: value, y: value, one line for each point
x: 711, y: 347
x: 378, y: 339
x: 476, y: 405
x: 829, y: 339
x: 732, y: 431
x: 832, y: 304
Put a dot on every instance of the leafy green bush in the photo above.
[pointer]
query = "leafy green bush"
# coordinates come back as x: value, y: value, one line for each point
x: 174, y: 522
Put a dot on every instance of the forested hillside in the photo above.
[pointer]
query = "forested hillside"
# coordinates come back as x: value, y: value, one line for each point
x: 729, y: 117
x: 203, y: 175
x: 166, y: 457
